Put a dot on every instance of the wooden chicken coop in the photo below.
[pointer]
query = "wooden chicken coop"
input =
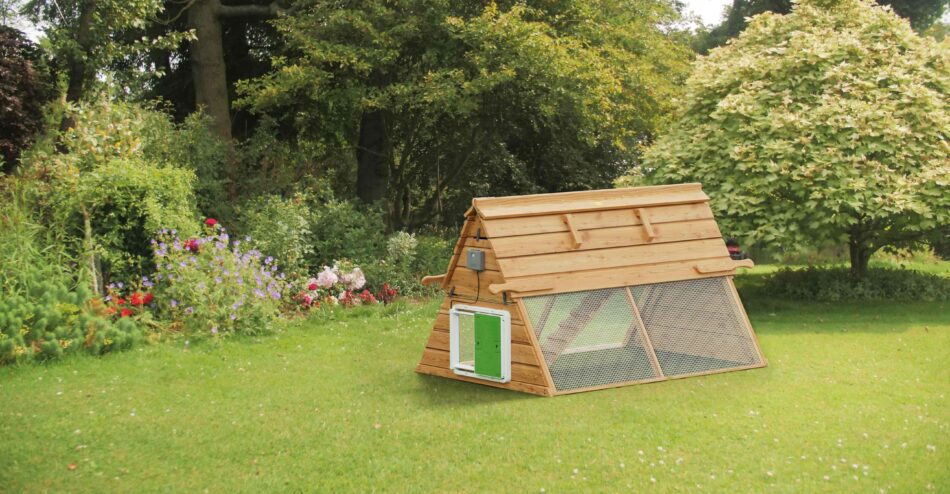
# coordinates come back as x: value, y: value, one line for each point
x: 568, y: 292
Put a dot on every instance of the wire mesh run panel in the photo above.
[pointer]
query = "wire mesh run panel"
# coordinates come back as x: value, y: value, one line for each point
x: 641, y: 333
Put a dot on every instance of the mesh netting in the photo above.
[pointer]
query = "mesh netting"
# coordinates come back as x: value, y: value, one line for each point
x: 597, y: 337
x: 695, y: 326
x: 590, y: 338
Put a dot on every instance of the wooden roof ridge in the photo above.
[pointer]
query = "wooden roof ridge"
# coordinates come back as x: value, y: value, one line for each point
x: 588, y: 200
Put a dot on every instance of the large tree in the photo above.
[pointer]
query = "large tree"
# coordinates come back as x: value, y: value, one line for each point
x: 438, y: 100
x: 820, y: 125
x: 921, y: 13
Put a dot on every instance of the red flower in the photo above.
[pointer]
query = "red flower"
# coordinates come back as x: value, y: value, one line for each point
x: 137, y: 299
x: 148, y: 298
x: 211, y: 222
x: 191, y: 244
x: 120, y: 301
x: 125, y: 313
x: 312, y: 286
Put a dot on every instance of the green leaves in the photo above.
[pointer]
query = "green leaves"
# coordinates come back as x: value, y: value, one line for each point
x: 835, y: 122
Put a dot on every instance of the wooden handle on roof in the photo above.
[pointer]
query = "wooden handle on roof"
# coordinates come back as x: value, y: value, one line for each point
x: 575, y: 237
x: 433, y: 279
x: 645, y: 219
x: 722, y: 266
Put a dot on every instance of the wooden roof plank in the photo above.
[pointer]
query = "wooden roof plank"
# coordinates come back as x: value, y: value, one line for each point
x: 593, y: 200
x: 508, y: 227
x: 617, y: 257
x: 621, y: 236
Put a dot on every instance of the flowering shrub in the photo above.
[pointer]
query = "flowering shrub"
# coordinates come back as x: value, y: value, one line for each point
x: 132, y: 303
x: 213, y: 285
x: 343, y: 284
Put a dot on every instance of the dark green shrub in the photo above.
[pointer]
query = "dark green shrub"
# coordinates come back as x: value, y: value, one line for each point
x: 834, y: 284
x: 343, y: 230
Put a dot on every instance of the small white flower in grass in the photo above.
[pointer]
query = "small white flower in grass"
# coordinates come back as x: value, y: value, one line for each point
x: 770, y: 473
x: 660, y: 448
x: 931, y: 448
x: 575, y: 471
x: 77, y: 431
x: 827, y: 477
x: 679, y: 460
x: 903, y: 445
x: 640, y: 452
x: 854, y: 466
x: 623, y: 466
x: 712, y: 476
x: 652, y: 479
x: 542, y: 490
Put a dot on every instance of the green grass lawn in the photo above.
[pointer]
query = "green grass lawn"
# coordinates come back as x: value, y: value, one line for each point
x: 854, y: 400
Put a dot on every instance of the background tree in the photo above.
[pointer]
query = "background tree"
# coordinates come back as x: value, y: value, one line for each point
x: 921, y: 13
x: 435, y: 100
x: 820, y: 125
x: 86, y: 36
x: 25, y: 86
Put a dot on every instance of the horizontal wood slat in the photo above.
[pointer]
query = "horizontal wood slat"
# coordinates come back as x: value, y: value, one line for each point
x: 553, y: 223
x: 530, y: 374
x: 512, y: 385
x: 621, y: 236
x: 593, y: 200
x: 602, y: 278
x: 638, y: 255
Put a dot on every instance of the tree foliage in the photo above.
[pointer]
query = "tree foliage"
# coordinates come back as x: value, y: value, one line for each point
x: 921, y: 13
x: 24, y: 89
x: 440, y: 100
x: 820, y: 125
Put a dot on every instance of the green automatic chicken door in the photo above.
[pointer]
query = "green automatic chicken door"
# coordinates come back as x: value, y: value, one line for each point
x: 480, y: 341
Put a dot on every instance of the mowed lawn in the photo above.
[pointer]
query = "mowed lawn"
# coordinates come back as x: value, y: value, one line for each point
x: 855, y: 399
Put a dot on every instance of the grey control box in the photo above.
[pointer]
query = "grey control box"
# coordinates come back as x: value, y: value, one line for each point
x: 475, y: 260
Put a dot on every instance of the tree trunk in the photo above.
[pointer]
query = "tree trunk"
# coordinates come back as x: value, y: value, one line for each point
x: 76, y: 61
x: 207, y: 65
x: 860, y: 253
x: 373, y: 157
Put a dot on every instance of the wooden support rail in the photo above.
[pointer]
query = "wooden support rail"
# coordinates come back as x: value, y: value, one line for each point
x: 575, y: 237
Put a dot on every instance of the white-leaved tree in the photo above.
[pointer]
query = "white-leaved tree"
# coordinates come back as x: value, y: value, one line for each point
x: 824, y: 125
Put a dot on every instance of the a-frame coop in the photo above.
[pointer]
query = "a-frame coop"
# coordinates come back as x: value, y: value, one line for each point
x: 560, y: 293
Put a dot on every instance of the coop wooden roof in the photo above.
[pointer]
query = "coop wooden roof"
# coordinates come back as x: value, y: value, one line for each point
x: 571, y: 241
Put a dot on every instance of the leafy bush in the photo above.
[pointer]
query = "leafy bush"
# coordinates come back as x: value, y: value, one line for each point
x: 834, y: 284
x: 211, y: 285
x: 339, y: 285
x: 49, y: 320
x: 342, y: 230
x: 408, y: 259
x: 280, y: 228
x: 115, y: 185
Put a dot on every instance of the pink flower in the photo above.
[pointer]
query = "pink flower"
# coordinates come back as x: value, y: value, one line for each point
x: 326, y: 278
x: 211, y: 222
x: 312, y: 284
x: 307, y: 299
x: 354, y: 280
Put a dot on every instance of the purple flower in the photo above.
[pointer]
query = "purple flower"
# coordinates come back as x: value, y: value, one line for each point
x: 189, y: 310
x: 174, y: 303
x: 147, y: 284
x: 258, y: 293
x: 275, y: 295
x: 217, y: 280
x: 120, y: 285
x: 108, y: 298
x: 182, y: 264
x: 233, y: 317
x: 268, y: 260
x: 214, y: 330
